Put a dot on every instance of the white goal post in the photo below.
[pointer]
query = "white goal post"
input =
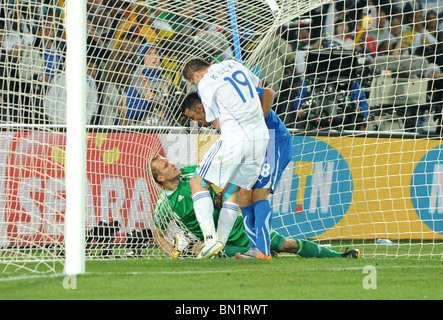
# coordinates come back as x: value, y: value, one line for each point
x: 90, y: 93
x: 75, y: 137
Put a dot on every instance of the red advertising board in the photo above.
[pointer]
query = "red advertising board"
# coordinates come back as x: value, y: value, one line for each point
x: 118, y: 186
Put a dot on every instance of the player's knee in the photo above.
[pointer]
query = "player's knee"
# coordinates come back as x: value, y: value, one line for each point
x: 198, y: 184
x: 260, y: 194
x: 289, y: 246
x: 245, y: 198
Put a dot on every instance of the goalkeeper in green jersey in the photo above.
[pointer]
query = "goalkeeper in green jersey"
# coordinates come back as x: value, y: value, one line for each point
x: 175, y: 202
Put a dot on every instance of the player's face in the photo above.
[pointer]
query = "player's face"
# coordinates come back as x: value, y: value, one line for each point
x: 197, y: 114
x: 168, y: 171
x: 152, y: 59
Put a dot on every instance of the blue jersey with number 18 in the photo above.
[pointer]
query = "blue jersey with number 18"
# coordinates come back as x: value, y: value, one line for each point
x: 228, y: 92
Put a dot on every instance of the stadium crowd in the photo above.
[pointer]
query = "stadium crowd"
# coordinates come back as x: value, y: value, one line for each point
x: 135, y: 50
x: 400, y: 39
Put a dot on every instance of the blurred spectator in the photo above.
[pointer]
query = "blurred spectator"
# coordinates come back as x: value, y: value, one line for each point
x: 303, y: 39
x: 44, y: 59
x: 95, y: 71
x: 417, y: 36
x: 212, y: 33
x: 117, y: 74
x: 130, y: 43
x: 55, y: 99
x: 436, y: 91
x: 302, y: 104
x: 356, y: 112
x: 401, y: 47
x: 166, y: 12
x: 345, y: 10
x: 380, y: 26
x: 431, y: 23
x: 114, y: 86
x: 395, y: 29
x: 192, y: 19
x: 100, y: 27
x: 94, y: 6
x: 384, y: 47
x: 95, y: 42
x: 334, y: 13
x: 145, y: 100
x: 19, y: 34
x: 342, y: 37
x: 106, y: 16
x: 123, y: 17
x: 38, y: 63
x: 432, y: 5
x: 409, y: 5
x: 32, y: 12
x: 218, y: 17
x: 302, y: 43
x: 439, y: 50
x: 140, y: 22
x: 50, y: 49
x: 164, y: 19
x: 9, y: 78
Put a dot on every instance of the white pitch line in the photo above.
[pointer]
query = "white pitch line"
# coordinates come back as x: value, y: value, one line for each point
x: 32, y: 277
x: 184, y: 272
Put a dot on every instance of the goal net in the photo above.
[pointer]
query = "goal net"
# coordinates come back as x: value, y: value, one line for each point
x: 357, y: 83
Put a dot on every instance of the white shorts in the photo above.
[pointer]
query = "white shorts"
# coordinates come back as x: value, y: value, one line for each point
x: 235, y: 162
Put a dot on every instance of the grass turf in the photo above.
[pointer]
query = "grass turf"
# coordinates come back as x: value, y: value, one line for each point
x: 286, y: 278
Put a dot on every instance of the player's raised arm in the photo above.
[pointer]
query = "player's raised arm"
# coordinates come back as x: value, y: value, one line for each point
x: 267, y: 100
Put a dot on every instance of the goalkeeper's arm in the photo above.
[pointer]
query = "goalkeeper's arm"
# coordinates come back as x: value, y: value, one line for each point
x: 182, y: 247
x: 162, y: 242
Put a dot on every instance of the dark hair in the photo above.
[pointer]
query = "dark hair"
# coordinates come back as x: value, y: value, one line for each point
x: 193, y: 65
x: 190, y: 101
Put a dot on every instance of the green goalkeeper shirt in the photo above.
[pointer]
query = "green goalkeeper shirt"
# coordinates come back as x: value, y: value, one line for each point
x: 178, y: 204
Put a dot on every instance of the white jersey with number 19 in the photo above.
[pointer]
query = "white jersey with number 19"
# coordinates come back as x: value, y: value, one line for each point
x: 228, y: 92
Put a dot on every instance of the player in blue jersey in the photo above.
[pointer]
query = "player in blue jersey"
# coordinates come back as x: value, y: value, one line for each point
x: 254, y: 204
x: 255, y: 207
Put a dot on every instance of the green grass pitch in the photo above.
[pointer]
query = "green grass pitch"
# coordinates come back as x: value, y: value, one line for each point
x: 286, y: 278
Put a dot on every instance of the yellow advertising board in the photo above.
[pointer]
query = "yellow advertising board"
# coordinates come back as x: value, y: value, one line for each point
x: 359, y: 187
x: 387, y: 188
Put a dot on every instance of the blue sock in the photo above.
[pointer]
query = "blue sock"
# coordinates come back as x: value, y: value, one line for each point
x: 262, y: 210
x: 249, y: 222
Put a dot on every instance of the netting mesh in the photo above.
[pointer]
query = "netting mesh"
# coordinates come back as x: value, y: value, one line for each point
x: 358, y: 83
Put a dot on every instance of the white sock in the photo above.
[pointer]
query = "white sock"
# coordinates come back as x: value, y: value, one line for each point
x: 204, y: 211
x: 228, y: 216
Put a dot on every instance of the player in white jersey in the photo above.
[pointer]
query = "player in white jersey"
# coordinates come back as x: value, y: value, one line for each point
x: 231, y: 103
